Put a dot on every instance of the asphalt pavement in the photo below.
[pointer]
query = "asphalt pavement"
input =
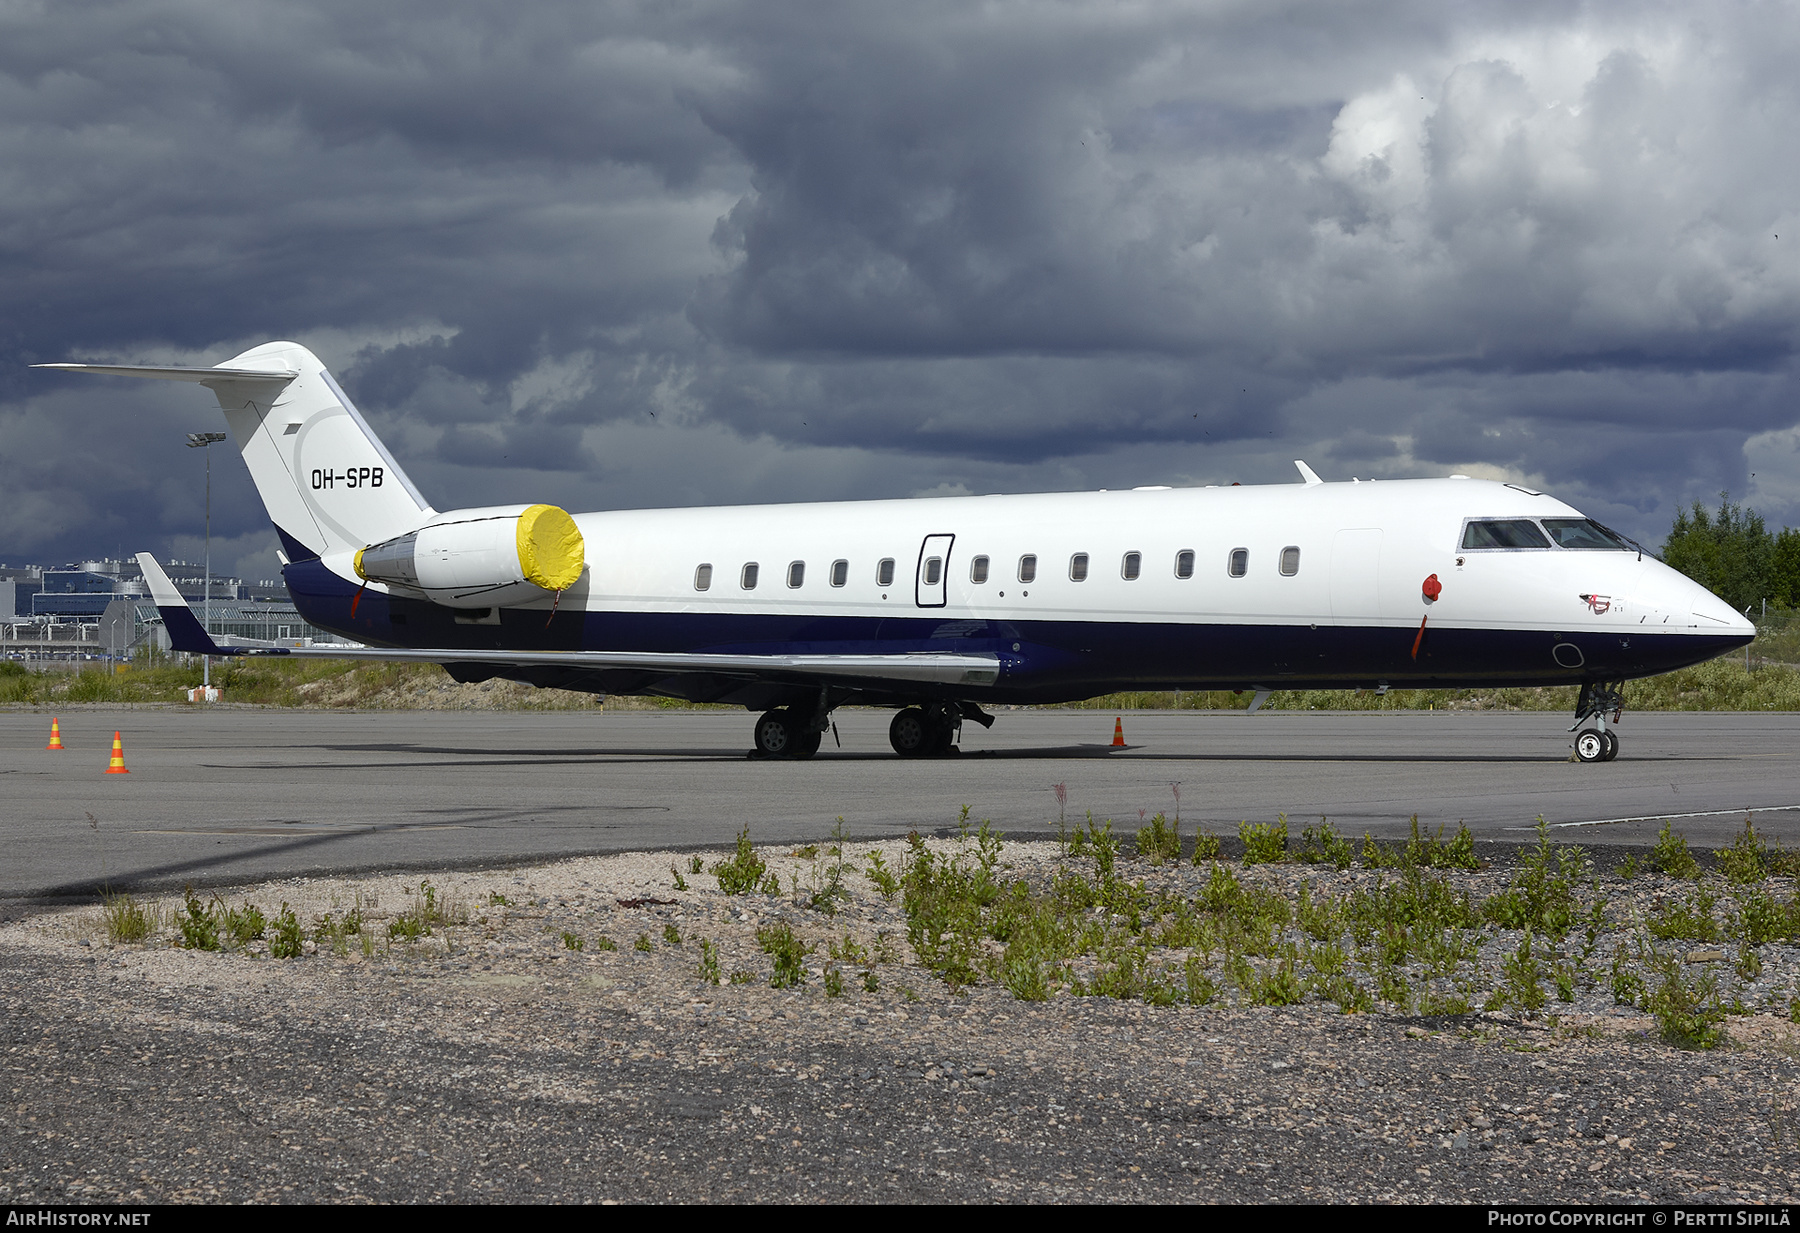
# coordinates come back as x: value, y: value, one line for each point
x: 227, y: 794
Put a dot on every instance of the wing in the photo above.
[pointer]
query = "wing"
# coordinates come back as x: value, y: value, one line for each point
x: 914, y: 668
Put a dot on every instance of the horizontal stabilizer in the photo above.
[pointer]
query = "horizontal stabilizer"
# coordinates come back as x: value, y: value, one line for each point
x: 186, y: 634
x: 163, y: 373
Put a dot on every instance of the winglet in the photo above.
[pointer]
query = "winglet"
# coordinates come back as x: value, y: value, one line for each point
x: 185, y: 631
x: 1307, y: 474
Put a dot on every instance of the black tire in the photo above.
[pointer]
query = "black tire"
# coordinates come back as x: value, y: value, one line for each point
x: 805, y: 744
x: 1612, y: 746
x: 777, y: 733
x: 911, y: 733
x: 1590, y: 746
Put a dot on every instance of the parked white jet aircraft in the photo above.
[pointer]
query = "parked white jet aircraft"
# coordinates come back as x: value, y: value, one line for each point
x: 937, y: 606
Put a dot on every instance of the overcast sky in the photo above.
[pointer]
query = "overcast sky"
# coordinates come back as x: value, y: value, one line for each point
x: 612, y: 255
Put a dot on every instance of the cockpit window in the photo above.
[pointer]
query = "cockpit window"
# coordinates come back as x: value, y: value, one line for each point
x: 1503, y: 533
x: 1585, y: 533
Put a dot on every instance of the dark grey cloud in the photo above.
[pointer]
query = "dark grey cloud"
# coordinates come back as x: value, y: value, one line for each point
x: 620, y: 254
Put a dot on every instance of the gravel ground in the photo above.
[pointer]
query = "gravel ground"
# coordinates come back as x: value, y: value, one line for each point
x: 489, y: 1062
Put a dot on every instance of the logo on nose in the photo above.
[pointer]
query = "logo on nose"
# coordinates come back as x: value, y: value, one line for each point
x: 1598, y: 603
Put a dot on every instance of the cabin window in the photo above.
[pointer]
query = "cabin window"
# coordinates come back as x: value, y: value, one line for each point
x: 1503, y: 533
x: 1585, y: 533
x: 1132, y: 566
x: 934, y: 571
x: 1238, y: 563
x: 884, y: 572
x: 1290, y: 561
x: 703, y: 578
x: 1184, y: 563
x: 1078, y: 567
x: 796, y: 573
x: 978, y: 570
x: 840, y: 573
x: 747, y: 580
x: 1028, y: 567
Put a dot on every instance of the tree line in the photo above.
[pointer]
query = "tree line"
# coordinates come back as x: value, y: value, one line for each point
x: 1735, y: 556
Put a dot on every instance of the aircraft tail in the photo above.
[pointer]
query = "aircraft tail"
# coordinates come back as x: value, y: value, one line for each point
x: 327, y: 481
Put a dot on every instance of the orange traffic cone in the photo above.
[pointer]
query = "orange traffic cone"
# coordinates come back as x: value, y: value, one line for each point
x: 117, y: 765
x: 55, y: 736
x: 1119, y: 733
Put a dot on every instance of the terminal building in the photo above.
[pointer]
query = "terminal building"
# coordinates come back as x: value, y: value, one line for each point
x: 102, y: 608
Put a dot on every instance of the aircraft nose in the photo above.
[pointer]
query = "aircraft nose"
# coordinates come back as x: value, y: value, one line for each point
x: 1688, y: 603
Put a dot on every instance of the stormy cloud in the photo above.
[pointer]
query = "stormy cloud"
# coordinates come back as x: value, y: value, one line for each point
x: 629, y: 254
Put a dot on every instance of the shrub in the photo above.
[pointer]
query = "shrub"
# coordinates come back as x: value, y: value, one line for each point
x: 1264, y: 843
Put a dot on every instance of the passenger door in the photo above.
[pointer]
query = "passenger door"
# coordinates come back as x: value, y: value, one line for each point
x: 931, y: 587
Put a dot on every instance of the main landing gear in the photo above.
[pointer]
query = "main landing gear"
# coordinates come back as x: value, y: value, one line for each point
x: 928, y: 730
x: 931, y: 731
x: 1598, y: 698
x: 787, y: 732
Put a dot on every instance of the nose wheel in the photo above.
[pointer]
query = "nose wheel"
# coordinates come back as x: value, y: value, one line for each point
x: 1596, y: 746
x: 1599, y: 743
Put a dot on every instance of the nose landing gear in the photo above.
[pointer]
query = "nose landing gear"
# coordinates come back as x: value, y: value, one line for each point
x: 1598, y: 698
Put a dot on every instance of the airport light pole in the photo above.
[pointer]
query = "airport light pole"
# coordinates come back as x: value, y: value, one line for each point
x: 199, y: 441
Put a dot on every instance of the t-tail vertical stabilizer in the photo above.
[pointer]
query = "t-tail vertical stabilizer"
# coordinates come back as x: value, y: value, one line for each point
x: 327, y: 481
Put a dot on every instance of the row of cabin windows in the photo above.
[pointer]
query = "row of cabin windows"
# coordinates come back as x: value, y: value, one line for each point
x: 1131, y: 566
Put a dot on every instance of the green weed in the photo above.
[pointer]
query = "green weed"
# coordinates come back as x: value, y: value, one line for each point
x: 671, y: 935
x: 787, y: 953
x: 1521, y: 985
x: 572, y: 941
x: 833, y: 982
x: 199, y: 924
x: 1688, y: 1012
x: 882, y: 876
x: 126, y: 920
x: 1689, y: 920
x: 1264, y: 843
x: 709, y: 961
x: 1670, y: 856
x: 1541, y: 896
x: 1322, y: 844
x: 285, y: 940
x: 605, y: 943
x: 745, y: 871
x: 1747, y: 859
x: 1160, y: 841
x: 643, y: 943
x: 1206, y: 848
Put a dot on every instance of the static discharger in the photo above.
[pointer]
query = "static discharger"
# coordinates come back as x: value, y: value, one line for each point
x: 1119, y: 733
x: 117, y: 765
x: 55, y: 737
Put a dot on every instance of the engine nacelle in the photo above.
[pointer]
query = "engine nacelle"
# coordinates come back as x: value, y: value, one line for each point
x: 481, y: 558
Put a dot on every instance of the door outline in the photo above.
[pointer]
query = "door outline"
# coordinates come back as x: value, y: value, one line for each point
x: 924, y: 594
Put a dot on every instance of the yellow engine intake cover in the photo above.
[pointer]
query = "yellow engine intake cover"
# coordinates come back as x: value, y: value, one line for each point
x: 551, y: 551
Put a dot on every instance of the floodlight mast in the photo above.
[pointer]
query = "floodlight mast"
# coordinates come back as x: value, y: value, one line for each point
x: 199, y: 441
